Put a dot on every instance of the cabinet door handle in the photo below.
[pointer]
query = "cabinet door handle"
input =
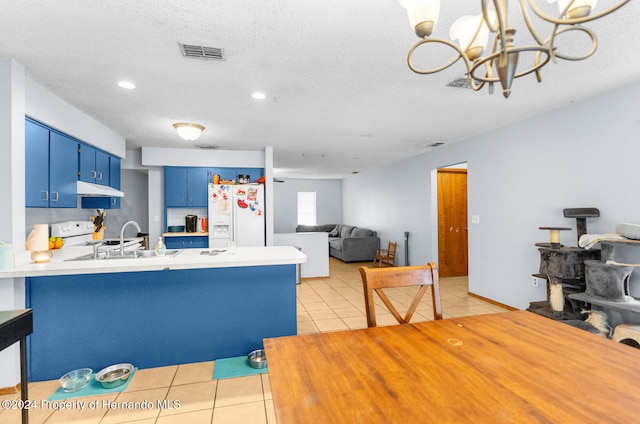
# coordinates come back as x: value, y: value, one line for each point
x: 100, y: 177
x: 46, y: 195
x: 114, y: 201
x: 182, y: 200
x: 94, y: 174
x: 190, y: 200
x: 57, y: 196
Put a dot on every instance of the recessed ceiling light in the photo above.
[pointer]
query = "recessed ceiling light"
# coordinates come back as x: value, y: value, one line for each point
x: 258, y: 95
x: 126, y: 85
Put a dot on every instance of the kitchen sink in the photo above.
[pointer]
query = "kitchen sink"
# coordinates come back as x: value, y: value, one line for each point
x: 136, y: 254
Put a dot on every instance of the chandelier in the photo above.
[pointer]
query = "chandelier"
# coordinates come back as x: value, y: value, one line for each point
x: 500, y: 64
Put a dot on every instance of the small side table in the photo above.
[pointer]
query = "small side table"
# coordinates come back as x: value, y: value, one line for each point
x: 15, y: 326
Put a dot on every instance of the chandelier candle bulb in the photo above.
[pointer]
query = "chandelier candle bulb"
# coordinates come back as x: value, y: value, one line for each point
x: 423, y: 15
x: 576, y: 8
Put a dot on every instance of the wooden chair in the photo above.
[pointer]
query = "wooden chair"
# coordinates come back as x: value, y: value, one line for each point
x: 386, y: 257
x: 376, y: 279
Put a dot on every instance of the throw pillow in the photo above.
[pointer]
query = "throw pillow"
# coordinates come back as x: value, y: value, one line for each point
x: 334, y: 232
x: 346, y: 231
x: 361, y: 232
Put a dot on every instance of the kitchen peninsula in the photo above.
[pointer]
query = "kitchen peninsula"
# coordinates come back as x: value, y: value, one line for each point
x: 156, y: 311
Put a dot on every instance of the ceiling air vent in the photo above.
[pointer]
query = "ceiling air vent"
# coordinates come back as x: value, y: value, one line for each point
x: 460, y: 82
x: 201, y: 52
x: 436, y: 144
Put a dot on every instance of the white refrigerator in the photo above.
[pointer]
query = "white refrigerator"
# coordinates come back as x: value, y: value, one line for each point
x: 236, y: 213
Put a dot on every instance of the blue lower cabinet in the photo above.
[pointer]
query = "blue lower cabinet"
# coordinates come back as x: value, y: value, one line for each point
x: 186, y: 242
x: 156, y: 318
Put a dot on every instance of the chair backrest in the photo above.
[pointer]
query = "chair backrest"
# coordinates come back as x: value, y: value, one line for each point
x: 391, y: 250
x: 376, y: 279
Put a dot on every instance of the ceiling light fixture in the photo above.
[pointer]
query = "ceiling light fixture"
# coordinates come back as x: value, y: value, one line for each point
x: 258, y: 95
x: 128, y: 85
x: 472, y: 33
x: 188, y: 131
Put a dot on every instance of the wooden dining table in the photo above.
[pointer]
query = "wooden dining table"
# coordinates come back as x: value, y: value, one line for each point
x: 512, y: 367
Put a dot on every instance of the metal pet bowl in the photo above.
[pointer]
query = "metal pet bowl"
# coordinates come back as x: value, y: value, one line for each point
x: 114, y: 376
x: 76, y: 379
x: 257, y: 359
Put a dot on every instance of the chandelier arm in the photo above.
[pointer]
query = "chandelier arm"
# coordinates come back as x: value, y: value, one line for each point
x: 485, y: 15
x: 461, y: 55
x: 527, y: 21
x: 591, y: 34
x: 502, y: 22
x: 550, y: 42
x: 489, y: 59
x: 574, y: 21
x: 536, y: 36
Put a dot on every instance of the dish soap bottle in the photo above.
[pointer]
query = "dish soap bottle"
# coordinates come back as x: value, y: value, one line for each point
x: 160, y: 248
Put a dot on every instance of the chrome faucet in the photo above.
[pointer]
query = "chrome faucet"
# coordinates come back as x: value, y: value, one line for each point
x: 95, y: 249
x: 122, y: 234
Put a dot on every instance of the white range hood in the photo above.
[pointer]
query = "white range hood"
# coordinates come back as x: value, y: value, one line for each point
x: 96, y: 190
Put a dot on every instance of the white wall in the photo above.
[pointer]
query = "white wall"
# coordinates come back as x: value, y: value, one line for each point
x: 49, y: 109
x: 328, y: 202
x: 520, y: 177
x: 12, y: 180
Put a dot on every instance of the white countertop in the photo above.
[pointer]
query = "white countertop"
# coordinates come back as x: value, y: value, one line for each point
x: 186, y: 259
x: 185, y: 234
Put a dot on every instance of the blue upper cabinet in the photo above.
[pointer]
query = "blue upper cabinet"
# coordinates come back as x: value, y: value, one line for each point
x: 185, y: 187
x: 63, y: 171
x: 94, y: 165
x: 175, y: 186
x: 51, y: 162
x: 102, y: 168
x: 37, y: 165
x: 114, y: 181
x: 197, y: 187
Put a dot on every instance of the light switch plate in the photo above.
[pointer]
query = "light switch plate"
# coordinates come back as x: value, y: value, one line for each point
x: 475, y: 219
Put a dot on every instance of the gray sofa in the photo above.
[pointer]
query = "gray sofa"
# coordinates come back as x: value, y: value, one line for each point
x: 347, y: 243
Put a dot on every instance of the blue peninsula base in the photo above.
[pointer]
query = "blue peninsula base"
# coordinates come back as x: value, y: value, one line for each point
x: 156, y: 318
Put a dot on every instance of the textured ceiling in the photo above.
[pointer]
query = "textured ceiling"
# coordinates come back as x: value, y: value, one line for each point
x: 340, y: 97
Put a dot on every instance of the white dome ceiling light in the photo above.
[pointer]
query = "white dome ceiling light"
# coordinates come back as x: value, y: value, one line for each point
x: 188, y: 131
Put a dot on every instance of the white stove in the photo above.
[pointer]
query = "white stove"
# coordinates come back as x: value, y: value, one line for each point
x: 74, y: 233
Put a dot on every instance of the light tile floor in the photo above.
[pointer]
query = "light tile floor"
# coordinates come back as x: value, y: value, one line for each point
x: 324, y: 304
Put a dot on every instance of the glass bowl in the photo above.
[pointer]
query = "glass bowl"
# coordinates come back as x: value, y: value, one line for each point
x: 76, y: 379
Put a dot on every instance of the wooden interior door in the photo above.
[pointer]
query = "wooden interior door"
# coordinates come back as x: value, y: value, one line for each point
x: 452, y: 222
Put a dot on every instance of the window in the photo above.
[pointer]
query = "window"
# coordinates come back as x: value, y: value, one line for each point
x: 306, y: 208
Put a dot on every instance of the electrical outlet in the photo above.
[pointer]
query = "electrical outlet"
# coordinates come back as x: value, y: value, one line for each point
x: 534, y: 281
